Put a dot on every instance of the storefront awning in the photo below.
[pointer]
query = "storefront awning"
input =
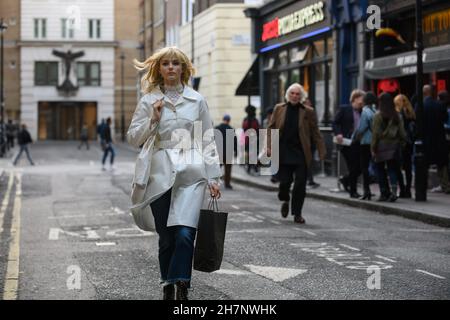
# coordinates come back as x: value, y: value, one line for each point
x: 249, y: 85
x: 434, y: 60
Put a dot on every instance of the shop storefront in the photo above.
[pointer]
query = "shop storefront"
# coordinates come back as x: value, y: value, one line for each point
x: 293, y: 43
x: 394, y: 61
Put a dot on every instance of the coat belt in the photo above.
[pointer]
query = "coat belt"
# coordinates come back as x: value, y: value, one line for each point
x: 169, y: 144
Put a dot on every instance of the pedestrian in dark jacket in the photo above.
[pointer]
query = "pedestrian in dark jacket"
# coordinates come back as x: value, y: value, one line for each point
x: 10, y: 134
x: 228, y: 149
x: 435, y: 145
x: 23, y: 139
x: 404, y: 108
x: 298, y: 125
x: 108, y: 145
x: 251, y: 123
x: 345, y: 124
x: 388, y: 137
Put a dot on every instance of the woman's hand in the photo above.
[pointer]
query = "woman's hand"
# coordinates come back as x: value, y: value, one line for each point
x: 214, y: 189
x: 157, y: 109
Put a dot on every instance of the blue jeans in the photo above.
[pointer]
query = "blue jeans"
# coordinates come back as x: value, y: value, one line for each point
x: 176, y: 244
x: 109, y: 148
x: 23, y: 147
x: 392, y: 171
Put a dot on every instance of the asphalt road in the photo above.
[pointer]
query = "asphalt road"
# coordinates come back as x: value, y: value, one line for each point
x: 74, y: 239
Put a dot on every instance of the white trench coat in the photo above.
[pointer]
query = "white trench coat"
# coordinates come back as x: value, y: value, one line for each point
x: 168, y: 161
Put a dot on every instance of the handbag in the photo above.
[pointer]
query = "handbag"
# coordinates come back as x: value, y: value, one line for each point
x: 387, y: 151
x: 209, y: 246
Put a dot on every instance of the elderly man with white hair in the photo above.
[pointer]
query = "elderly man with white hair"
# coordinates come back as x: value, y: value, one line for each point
x: 298, y: 127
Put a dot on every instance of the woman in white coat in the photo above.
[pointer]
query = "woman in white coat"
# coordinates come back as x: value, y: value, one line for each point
x: 173, y: 122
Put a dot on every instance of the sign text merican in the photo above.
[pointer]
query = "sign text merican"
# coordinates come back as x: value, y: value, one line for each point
x: 295, y: 21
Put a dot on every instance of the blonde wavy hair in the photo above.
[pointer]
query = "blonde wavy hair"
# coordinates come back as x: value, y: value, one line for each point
x: 402, y: 103
x: 152, y: 76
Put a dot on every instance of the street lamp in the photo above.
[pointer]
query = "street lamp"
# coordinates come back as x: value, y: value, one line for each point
x: 3, y: 27
x: 122, y: 108
x: 421, y: 174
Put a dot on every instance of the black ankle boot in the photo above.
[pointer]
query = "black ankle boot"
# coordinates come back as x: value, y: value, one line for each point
x: 169, y: 292
x: 182, y: 290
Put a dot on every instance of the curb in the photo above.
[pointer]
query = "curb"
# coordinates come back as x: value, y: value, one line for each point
x: 371, y: 206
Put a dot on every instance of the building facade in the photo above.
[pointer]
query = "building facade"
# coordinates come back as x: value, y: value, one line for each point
x: 126, y: 29
x: 67, y: 66
x: 391, y: 57
x: 10, y: 12
x: 218, y: 42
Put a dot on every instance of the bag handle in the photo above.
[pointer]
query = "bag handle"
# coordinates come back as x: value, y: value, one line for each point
x: 213, y: 203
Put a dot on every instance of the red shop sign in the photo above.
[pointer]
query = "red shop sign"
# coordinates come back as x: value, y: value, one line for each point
x: 270, y: 30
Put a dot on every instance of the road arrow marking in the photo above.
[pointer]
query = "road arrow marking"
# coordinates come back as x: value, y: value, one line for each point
x: 233, y: 272
x: 275, y: 273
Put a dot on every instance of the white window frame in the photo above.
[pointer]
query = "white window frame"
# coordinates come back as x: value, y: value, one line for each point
x: 40, y: 28
x: 94, y: 28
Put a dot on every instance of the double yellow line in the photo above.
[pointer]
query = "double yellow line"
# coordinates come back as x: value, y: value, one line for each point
x: 12, y: 270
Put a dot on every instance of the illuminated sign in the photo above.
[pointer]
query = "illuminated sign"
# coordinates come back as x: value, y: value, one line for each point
x: 295, y: 21
x: 436, y: 28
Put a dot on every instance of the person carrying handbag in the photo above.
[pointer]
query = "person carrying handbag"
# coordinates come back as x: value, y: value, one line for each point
x: 388, y: 138
x: 172, y: 170
x: 364, y: 135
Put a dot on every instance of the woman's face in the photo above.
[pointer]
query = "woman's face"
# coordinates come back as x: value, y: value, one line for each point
x: 170, y: 69
x: 294, y: 95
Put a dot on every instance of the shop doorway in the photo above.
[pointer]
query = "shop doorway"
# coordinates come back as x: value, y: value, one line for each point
x: 63, y: 120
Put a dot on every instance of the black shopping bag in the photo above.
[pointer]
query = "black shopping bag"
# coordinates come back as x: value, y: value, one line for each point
x: 209, y: 245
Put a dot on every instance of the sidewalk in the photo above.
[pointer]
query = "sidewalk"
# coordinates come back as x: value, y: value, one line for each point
x: 435, y: 211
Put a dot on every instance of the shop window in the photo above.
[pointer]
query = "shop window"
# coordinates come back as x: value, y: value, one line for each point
x: 319, y: 89
x: 319, y: 48
x: 282, y: 84
x: 330, y: 89
x: 283, y: 58
x: 329, y: 42
x: 269, y: 63
x: 298, y: 54
x: 295, y: 76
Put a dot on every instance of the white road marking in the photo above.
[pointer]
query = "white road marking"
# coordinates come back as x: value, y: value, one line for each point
x: 275, y: 222
x: 349, y: 247
x: 306, y: 231
x: 349, y: 260
x: 260, y: 216
x: 384, y: 258
x: 232, y: 272
x: 235, y: 207
x: 424, y: 230
x: 101, y: 244
x: 274, y: 273
x: 430, y: 274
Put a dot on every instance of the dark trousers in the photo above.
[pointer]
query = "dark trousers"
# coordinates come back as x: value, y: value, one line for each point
x: 23, y: 147
x: 352, y: 160
x: 10, y: 142
x: 365, y: 156
x: 286, y: 175
x: 227, y: 174
x: 392, y: 170
x: 109, y: 148
x: 176, y: 244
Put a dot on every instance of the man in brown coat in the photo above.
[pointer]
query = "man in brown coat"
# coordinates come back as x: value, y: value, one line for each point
x: 298, y: 127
